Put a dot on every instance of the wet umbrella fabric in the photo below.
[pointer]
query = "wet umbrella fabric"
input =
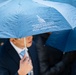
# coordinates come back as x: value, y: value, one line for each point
x: 63, y: 40
x: 72, y: 2
x: 1, y: 1
x: 20, y: 18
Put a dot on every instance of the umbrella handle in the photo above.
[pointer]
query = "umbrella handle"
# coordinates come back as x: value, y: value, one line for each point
x: 25, y: 42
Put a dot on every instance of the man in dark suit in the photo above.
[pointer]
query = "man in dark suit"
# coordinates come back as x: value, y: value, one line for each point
x: 11, y: 63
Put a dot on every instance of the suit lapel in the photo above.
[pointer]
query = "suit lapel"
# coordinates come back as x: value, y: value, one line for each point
x: 33, y: 55
x: 12, y: 52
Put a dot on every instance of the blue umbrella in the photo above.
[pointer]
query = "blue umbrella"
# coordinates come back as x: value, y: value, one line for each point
x: 63, y: 40
x: 1, y: 1
x: 20, y: 18
x: 72, y: 2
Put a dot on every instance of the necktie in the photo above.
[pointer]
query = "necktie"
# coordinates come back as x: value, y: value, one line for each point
x: 22, y: 54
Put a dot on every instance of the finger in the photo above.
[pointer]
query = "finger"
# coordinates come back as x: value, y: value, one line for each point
x: 23, y: 59
x: 26, y: 60
x: 25, y: 56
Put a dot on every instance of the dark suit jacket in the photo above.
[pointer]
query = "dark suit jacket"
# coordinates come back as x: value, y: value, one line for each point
x: 9, y: 60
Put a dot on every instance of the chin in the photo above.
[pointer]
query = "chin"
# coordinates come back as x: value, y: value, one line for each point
x: 29, y: 45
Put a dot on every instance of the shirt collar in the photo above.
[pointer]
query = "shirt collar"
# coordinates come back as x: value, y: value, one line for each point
x: 18, y: 49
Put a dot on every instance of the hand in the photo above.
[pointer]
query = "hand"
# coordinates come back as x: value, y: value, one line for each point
x: 25, y: 66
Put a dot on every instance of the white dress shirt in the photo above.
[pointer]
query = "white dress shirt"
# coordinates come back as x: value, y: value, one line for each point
x: 18, y: 50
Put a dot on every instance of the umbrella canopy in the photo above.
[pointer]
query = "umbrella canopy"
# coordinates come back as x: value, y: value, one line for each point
x: 63, y: 40
x: 72, y: 2
x: 20, y: 18
x: 2, y: 1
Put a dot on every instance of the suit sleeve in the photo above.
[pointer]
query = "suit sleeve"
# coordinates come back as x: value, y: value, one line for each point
x: 4, y: 71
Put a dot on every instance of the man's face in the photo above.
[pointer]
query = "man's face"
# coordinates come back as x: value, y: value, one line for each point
x: 21, y: 43
x: 29, y: 41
